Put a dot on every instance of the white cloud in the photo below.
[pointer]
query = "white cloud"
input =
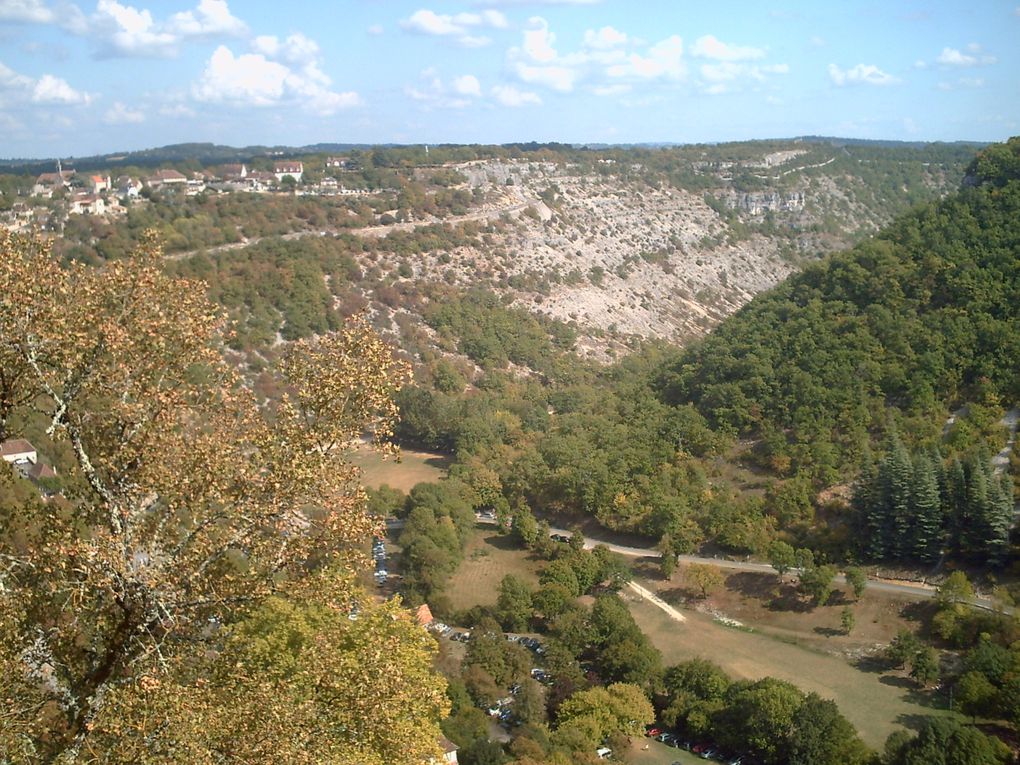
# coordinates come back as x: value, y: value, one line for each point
x: 296, y: 49
x: 860, y: 74
x: 494, y: 19
x: 538, y: 40
x: 467, y: 85
x: 119, y: 29
x: 664, y: 59
x: 11, y: 80
x: 612, y: 90
x: 254, y: 79
x: 963, y: 83
x: 119, y: 114
x: 47, y: 90
x: 432, y: 92
x: 711, y: 47
x: 28, y: 11
x: 210, y: 18
x: 457, y: 28
x: 176, y: 111
x: 53, y: 90
x: 954, y: 57
x: 722, y: 76
x: 561, y: 78
x: 604, y: 38
x: 127, y: 31
x: 508, y: 95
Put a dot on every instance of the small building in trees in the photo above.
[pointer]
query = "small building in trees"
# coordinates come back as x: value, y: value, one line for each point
x: 18, y: 451
x: 424, y: 615
x: 449, y: 752
x: 294, y: 169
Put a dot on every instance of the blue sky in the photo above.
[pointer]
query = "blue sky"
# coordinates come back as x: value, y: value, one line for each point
x: 87, y: 77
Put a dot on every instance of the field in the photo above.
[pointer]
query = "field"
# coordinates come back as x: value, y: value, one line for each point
x: 802, y: 646
x: 413, y: 468
x: 658, y: 754
x: 488, y: 558
x: 876, y: 703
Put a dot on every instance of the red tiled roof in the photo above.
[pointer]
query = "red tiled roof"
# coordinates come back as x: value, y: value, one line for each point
x: 15, y: 446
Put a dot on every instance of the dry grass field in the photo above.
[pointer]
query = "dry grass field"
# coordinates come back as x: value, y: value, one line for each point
x: 876, y: 702
x: 802, y: 647
x: 488, y: 558
x: 413, y: 468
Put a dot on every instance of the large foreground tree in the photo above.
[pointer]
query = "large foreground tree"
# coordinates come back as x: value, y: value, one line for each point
x: 131, y: 611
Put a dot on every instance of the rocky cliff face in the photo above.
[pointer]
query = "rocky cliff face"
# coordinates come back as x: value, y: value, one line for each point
x: 761, y: 203
x: 622, y: 252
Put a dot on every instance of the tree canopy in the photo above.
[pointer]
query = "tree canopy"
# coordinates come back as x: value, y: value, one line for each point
x: 190, y: 511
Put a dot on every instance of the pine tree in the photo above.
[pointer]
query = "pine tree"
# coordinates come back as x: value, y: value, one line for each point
x: 926, y: 509
x: 954, y: 501
x: 974, y: 531
x: 997, y: 521
x: 867, y: 501
x: 896, y: 478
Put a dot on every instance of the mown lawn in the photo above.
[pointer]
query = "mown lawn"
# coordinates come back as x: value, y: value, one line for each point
x: 488, y: 558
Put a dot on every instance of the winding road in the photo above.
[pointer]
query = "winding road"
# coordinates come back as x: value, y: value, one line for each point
x: 916, y: 590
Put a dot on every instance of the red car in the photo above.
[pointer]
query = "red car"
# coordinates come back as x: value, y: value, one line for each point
x: 653, y: 731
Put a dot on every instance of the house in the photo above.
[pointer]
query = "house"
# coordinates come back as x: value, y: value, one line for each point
x: 424, y: 615
x: 18, y: 451
x: 47, y: 183
x: 41, y: 471
x: 343, y: 163
x: 99, y: 183
x: 259, y: 180
x: 294, y: 169
x: 168, y: 177
x: 449, y: 752
x: 128, y: 187
x: 233, y: 172
x: 87, y: 204
x: 195, y: 186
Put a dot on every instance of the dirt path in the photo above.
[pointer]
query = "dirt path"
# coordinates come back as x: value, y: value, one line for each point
x: 656, y: 601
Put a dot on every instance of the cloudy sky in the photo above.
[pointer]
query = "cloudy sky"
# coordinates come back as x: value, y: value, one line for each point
x: 86, y: 77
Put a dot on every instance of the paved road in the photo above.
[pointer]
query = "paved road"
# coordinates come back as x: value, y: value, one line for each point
x: 915, y: 590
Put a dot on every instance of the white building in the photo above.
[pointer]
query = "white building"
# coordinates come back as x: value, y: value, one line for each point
x: 18, y: 451
x: 282, y: 169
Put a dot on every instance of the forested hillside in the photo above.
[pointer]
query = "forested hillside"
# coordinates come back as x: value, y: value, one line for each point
x: 914, y: 322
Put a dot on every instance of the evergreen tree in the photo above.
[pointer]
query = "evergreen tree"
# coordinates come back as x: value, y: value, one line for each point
x: 954, y: 499
x: 896, y: 474
x: 975, y: 508
x: 867, y: 501
x: 998, y: 517
x: 927, y: 511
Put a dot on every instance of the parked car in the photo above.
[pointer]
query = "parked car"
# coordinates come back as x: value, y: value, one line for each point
x: 651, y: 730
x: 603, y: 752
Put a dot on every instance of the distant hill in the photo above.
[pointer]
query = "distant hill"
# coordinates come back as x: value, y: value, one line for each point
x: 210, y: 153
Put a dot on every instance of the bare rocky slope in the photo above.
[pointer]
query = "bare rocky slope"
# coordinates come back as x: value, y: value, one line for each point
x: 621, y: 250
